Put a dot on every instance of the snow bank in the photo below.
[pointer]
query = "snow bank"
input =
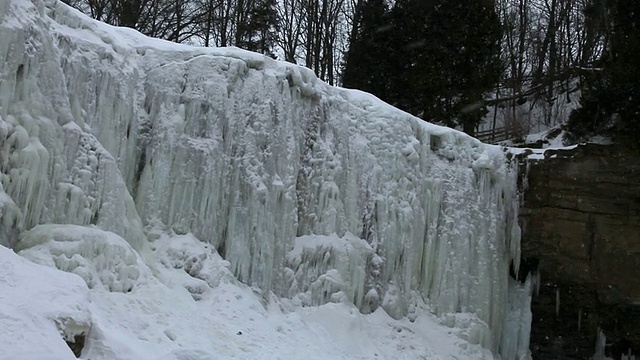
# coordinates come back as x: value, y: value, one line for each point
x: 102, y: 259
x: 309, y: 192
x: 40, y: 309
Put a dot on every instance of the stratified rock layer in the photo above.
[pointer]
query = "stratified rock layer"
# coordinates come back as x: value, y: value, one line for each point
x: 581, y: 218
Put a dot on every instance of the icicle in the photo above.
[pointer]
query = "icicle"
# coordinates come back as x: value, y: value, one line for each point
x: 537, y: 282
x: 514, y: 342
x: 628, y: 356
x: 601, y: 343
x: 525, y: 181
x: 579, y: 319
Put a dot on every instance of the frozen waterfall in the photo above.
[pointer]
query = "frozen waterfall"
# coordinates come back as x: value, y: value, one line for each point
x: 310, y: 192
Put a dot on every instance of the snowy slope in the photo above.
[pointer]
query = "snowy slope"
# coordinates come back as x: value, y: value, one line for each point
x: 163, y: 320
x: 39, y: 305
x: 334, y: 212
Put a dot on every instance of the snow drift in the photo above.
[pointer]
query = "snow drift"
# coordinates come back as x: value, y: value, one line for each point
x: 311, y: 193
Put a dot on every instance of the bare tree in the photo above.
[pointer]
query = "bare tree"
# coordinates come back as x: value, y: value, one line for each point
x: 323, y: 27
x: 548, y: 45
x: 290, y: 28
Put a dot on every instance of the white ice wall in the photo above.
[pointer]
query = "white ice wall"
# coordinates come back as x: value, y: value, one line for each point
x: 104, y: 126
x: 53, y: 170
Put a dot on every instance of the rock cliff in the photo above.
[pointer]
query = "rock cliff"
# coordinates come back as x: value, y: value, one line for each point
x: 581, y: 230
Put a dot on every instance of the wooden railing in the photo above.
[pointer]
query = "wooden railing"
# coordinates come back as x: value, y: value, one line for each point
x: 494, y: 135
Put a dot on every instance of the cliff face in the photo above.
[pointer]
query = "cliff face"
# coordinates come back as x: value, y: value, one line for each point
x: 581, y: 228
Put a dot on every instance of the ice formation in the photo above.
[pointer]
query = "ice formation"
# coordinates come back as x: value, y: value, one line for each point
x: 102, y: 259
x: 310, y: 192
x: 601, y: 343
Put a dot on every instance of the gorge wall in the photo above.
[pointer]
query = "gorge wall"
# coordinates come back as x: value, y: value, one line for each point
x: 581, y: 229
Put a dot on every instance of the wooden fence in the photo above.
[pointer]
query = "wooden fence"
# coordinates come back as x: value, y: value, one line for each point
x: 494, y: 136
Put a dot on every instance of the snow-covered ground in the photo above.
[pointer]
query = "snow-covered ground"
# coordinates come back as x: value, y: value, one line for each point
x: 190, y: 203
x: 192, y: 307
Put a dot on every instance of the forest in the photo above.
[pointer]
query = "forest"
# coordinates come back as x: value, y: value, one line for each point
x: 446, y: 61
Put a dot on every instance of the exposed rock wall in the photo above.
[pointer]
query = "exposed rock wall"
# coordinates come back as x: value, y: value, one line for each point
x: 101, y: 126
x: 581, y: 228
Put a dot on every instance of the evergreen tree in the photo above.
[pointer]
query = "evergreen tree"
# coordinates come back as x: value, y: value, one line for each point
x: 367, y: 65
x: 257, y: 32
x: 436, y: 58
x: 454, y: 49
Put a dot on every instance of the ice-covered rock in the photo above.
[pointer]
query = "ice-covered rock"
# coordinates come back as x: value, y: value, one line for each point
x: 102, y: 259
x: 203, y: 268
x: 321, y: 269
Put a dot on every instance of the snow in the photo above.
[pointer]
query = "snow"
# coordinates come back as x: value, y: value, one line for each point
x: 532, y: 114
x: 39, y: 305
x: 162, y: 319
x: 536, y: 146
x: 102, y: 259
x: 539, y: 154
x: 200, y: 193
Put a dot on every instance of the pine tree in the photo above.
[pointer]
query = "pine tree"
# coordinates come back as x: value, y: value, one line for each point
x: 366, y: 66
x: 454, y: 49
x: 433, y: 58
x: 257, y: 30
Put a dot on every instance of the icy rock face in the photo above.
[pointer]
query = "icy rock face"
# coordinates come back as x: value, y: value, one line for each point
x: 321, y: 264
x: 52, y: 169
x: 203, y: 265
x: 312, y: 192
